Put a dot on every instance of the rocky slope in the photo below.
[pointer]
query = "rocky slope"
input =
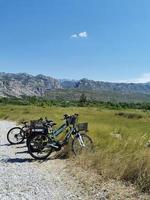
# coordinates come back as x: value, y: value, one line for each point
x: 25, y: 84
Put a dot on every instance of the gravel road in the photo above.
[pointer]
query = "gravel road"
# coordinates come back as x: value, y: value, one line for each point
x: 22, y: 178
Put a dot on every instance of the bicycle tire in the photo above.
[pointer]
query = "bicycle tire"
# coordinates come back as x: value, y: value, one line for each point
x: 80, y: 149
x: 37, y: 149
x: 18, y: 139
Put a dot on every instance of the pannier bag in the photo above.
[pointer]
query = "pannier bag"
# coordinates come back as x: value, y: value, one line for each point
x: 38, y: 127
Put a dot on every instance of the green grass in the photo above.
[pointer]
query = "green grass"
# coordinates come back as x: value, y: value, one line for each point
x: 119, y: 139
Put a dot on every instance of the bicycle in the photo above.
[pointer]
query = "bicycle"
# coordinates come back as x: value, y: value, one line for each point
x: 42, y: 145
x: 17, y: 135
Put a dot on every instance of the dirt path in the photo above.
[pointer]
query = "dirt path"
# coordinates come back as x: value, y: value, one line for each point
x: 22, y: 178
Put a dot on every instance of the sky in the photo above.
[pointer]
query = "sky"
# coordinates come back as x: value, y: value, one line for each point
x: 106, y: 40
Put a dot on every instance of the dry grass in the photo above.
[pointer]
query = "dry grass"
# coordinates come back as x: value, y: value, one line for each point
x: 120, y: 150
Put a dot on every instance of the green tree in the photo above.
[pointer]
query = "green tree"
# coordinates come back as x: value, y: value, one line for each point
x: 82, y: 100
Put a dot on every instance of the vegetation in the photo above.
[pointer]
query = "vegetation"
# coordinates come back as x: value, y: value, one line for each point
x: 82, y: 102
x: 120, y: 135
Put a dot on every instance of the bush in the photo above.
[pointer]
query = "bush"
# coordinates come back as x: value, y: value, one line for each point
x: 129, y: 115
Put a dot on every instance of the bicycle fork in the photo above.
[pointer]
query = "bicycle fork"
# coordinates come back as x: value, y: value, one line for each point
x: 81, y: 140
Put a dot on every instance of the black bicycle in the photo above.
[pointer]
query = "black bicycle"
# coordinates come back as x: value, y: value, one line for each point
x: 17, y: 135
x: 42, y: 145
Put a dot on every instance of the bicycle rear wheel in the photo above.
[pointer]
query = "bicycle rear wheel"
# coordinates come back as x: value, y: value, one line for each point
x: 82, y: 143
x: 38, y: 146
x: 15, y: 135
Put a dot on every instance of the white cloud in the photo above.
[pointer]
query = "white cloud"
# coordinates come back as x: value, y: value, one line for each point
x: 83, y: 34
x: 74, y: 36
x: 80, y: 35
x: 144, y: 78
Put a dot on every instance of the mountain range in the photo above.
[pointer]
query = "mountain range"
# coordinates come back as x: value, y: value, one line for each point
x: 21, y: 84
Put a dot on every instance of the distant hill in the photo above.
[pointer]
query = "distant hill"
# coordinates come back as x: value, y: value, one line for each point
x: 25, y: 84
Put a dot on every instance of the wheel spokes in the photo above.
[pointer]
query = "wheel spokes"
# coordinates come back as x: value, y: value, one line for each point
x: 39, y: 146
x: 82, y: 144
x: 16, y: 135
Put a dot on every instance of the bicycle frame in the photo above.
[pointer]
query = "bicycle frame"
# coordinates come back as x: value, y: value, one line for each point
x: 71, y: 133
x: 58, y: 131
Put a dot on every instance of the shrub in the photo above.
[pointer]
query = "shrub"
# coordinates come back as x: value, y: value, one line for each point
x: 129, y: 115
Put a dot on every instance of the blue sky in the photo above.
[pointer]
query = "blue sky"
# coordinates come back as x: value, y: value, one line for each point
x: 98, y: 39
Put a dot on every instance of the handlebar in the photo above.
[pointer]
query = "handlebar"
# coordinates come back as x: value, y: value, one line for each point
x: 74, y: 115
x: 71, y: 119
x: 24, y: 122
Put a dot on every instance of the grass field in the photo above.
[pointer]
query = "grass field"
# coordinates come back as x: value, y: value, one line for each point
x: 120, y: 137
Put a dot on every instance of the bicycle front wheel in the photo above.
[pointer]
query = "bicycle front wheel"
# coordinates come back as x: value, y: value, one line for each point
x: 82, y: 143
x: 15, y: 135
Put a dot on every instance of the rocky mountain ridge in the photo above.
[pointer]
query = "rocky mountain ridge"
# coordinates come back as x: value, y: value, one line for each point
x: 25, y: 84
